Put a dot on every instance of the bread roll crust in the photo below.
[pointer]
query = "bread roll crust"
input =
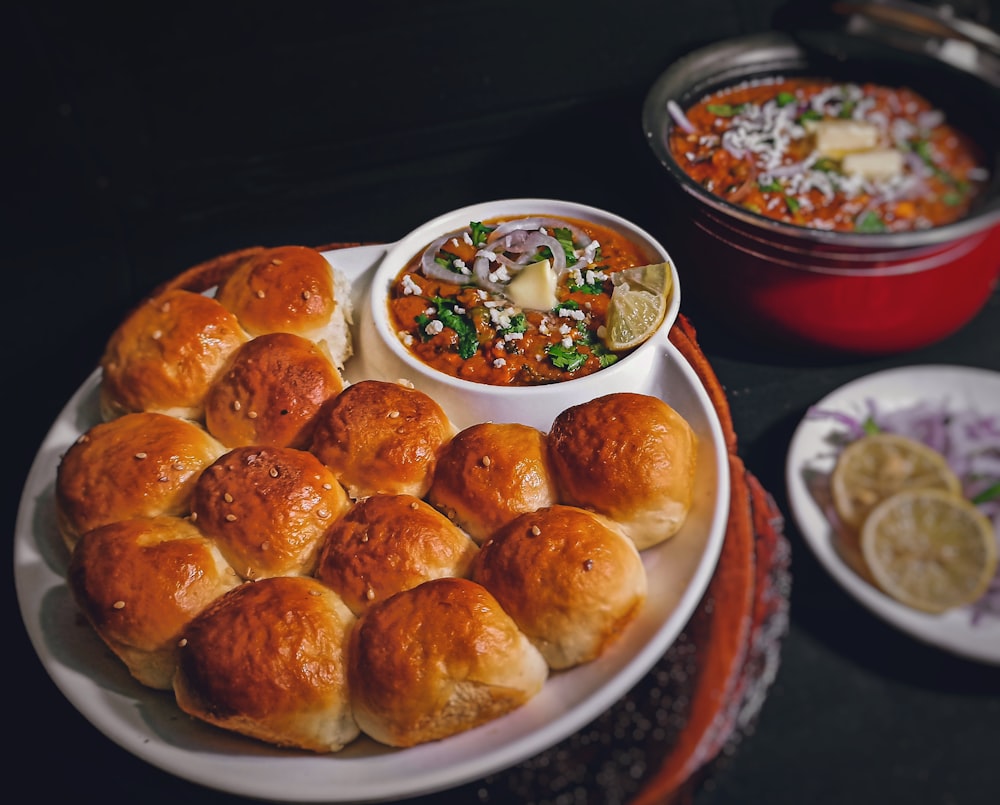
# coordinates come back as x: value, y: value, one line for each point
x: 570, y: 579
x: 268, y: 508
x: 292, y: 289
x: 271, y: 392
x: 286, y: 289
x: 491, y: 472
x: 139, y: 581
x: 389, y: 543
x: 382, y: 438
x: 166, y: 353
x: 629, y: 456
x: 268, y: 660
x: 437, y: 660
x: 139, y: 465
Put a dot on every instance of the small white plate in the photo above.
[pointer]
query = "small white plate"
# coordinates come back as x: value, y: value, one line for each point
x: 812, y: 455
x: 148, y: 723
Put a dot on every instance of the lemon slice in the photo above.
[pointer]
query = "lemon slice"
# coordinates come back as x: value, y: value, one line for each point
x: 872, y: 468
x: 930, y: 549
x: 638, y: 304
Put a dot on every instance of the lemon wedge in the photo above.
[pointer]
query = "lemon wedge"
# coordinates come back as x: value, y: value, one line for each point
x: 872, y: 468
x: 639, y: 300
x: 930, y: 549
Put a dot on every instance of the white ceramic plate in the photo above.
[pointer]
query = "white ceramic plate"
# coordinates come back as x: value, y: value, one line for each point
x: 149, y: 725
x: 811, y: 457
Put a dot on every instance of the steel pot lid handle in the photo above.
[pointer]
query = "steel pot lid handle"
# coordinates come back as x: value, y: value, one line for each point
x: 937, y: 32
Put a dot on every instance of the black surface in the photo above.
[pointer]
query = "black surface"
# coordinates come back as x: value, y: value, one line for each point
x: 142, y: 141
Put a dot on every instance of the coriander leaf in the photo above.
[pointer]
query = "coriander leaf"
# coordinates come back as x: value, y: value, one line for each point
x: 725, y: 109
x: 479, y: 232
x: 468, y: 342
x: 870, y: 427
x: 565, y: 238
x: 785, y: 98
x: 771, y: 186
x: 990, y: 493
x: 869, y: 222
x: 569, y: 359
x: 447, y: 259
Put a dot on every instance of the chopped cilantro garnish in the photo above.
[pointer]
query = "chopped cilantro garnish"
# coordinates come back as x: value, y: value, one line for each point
x: 825, y: 164
x: 810, y: 114
x: 990, y: 493
x: 847, y: 110
x: 562, y: 357
x: 869, y: 222
x: 479, y: 232
x: 771, y: 186
x: 785, y: 98
x: 792, y: 203
x: 725, y: 109
x: 518, y: 324
x: 594, y: 288
x: 952, y: 199
x: 870, y: 427
x: 446, y: 259
x: 468, y: 343
x: 565, y: 238
x: 922, y: 148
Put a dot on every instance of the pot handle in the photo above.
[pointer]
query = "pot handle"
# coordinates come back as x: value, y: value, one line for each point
x: 960, y: 42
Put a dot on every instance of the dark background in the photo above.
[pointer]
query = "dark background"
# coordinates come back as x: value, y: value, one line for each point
x: 140, y: 139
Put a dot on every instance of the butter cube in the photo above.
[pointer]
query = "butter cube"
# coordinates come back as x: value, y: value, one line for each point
x: 835, y: 138
x: 879, y: 163
x: 534, y: 287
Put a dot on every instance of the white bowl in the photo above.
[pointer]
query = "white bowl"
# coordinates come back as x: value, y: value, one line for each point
x: 384, y: 356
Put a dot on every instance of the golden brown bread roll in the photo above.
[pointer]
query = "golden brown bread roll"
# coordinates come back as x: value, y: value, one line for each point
x: 436, y: 660
x: 388, y: 543
x: 382, y: 438
x: 630, y: 457
x: 268, y: 508
x: 569, y: 578
x: 271, y: 392
x: 291, y: 289
x: 139, y: 465
x: 268, y: 660
x: 139, y: 582
x: 490, y: 473
x: 166, y: 353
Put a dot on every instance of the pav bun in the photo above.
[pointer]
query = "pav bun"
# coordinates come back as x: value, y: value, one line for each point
x: 437, y: 660
x: 166, y: 353
x: 630, y: 457
x: 569, y: 578
x: 268, y: 508
x: 271, y: 392
x: 389, y: 543
x: 139, y: 465
x: 489, y: 474
x: 139, y: 581
x: 291, y: 289
x: 380, y: 437
x: 269, y: 660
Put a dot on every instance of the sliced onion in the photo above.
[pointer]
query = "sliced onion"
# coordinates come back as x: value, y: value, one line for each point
x: 433, y: 269
x: 580, y: 238
x: 680, y: 118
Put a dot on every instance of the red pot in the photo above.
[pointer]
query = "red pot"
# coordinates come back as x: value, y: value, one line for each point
x: 866, y: 293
